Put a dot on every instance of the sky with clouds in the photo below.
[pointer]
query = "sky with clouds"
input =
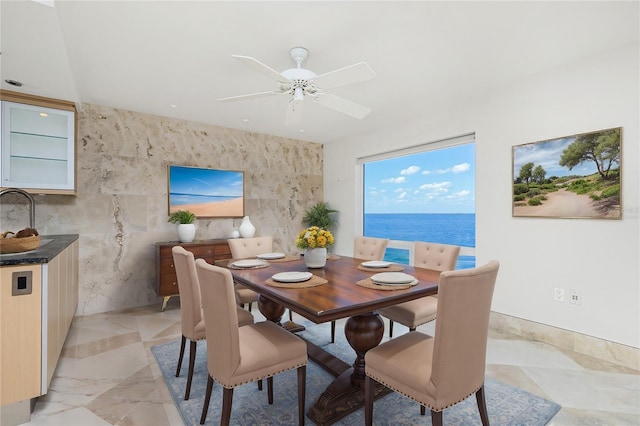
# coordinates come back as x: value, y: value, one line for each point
x: 204, y: 181
x: 547, y: 154
x: 439, y: 181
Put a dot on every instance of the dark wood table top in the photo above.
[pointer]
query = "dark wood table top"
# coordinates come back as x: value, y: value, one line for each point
x: 340, y: 297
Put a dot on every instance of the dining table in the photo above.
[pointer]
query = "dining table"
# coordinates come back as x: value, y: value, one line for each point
x: 346, y: 291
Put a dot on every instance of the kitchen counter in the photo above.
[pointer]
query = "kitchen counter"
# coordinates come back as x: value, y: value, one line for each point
x: 38, y: 300
x: 50, y: 247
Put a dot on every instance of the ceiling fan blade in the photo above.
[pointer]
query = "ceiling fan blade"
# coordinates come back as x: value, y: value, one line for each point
x: 342, y: 105
x: 348, y: 75
x: 294, y: 113
x: 251, y: 96
x: 259, y: 66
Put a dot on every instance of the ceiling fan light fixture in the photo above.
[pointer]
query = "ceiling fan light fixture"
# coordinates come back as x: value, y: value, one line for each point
x: 297, y: 83
x: 298, y: 74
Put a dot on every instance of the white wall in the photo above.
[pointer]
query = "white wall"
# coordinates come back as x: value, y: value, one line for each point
x: 599, y: 258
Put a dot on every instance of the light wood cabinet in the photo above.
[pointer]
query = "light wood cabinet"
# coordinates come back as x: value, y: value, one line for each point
x: 61, y: 302
x: 166, y: 280
x: 38, y: 144
x: 35, y: 323
x: 20, y: 332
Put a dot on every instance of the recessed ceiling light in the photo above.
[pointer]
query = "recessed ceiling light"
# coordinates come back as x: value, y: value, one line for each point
x: 246, y: 120
x: 173, y: 105
x: 301, y: 130
x: 44, y: 114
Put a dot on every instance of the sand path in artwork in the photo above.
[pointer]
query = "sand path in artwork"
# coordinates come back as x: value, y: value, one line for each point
x: 561, y: 203
x: 228, y: 208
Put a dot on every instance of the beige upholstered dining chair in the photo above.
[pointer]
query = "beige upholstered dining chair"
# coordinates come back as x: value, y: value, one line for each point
x: 369, y: 248
x: 191, y: 319
x: 440, y: 257
x: 244, y: 248
x: 238, y: 355
x: 439, y: 372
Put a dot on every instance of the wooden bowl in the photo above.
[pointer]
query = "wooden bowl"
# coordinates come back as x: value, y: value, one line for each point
x: 17, y: 245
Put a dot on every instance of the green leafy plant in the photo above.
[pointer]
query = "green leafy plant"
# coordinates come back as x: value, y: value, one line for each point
x: 182, y: 217
x: 534, y: 201
x: 320, y: 215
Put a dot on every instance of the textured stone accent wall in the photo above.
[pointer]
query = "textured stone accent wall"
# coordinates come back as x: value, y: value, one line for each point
x: 121, y: 208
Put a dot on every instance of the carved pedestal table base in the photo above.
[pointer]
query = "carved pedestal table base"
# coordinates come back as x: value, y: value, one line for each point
x: 346, y: 393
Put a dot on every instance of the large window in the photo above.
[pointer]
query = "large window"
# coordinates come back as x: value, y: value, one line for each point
x: 424, y: 193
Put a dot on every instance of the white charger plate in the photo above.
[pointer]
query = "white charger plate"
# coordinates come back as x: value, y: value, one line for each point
x: 412, y: 283
x: 248, y: 263
x: 292, y: 277
x: 269, y: 256
x: 390, y: 278
x: 376, y: 264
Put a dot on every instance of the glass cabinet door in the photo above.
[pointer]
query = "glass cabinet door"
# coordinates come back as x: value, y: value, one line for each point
x: 38, y: 147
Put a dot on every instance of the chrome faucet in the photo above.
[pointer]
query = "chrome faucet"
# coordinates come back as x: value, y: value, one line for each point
x: 32, y: 203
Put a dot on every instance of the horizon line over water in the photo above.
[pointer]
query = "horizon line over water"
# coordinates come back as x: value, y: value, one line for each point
x: 444, y: 228
x: 179, y: 199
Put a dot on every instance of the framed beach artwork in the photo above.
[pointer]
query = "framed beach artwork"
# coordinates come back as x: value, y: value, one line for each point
x: 206, y: 192
x: 576, y: 176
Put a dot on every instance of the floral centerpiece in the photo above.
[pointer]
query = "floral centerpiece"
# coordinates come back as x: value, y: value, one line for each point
x: 315, y: 241
x: 314, y: 237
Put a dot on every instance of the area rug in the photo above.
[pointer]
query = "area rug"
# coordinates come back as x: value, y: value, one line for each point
x: 506, y: 405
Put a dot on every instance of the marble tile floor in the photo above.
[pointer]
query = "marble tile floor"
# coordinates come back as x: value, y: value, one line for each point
x: 108, y: 376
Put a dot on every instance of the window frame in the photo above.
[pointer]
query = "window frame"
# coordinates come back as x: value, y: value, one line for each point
x: 466, y: 138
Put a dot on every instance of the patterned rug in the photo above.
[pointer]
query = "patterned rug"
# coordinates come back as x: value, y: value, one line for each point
x: 506, y: 405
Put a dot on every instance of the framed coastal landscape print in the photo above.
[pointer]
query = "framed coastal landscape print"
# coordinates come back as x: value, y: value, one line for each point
x: 576, y: 176
x: 206, y: 192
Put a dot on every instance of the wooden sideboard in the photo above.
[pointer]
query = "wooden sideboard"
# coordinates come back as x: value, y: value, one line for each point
x: 166, y: 280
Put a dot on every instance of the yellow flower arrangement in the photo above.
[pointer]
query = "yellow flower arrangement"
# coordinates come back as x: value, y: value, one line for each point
x: 314, y: 237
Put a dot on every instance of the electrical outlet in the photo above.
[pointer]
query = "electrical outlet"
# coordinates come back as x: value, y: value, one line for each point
x: 558, y: 294
x: 574, y: 297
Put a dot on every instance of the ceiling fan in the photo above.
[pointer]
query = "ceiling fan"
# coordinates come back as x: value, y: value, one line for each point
x: 299, y: 83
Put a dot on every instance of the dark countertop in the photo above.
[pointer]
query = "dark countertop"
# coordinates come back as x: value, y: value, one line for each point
x: 43, y: 254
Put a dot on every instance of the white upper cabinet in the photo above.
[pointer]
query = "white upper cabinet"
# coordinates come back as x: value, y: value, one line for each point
x: 38, y: 146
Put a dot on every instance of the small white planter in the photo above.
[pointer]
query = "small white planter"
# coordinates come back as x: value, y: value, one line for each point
x: 186, y: 232
x: 315, y: 257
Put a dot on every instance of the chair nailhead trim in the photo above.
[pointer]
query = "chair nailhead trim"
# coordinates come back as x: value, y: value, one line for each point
x: 257, y: 378
x: 422, y: 402
x: 417, y: 325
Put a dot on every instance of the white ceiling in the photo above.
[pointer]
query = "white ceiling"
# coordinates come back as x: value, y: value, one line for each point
x: 149, y: 55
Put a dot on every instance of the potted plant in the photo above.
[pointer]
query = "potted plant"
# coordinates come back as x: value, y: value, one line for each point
x: 315, y: 241
x: 320, y: 215
x: 186, y: 227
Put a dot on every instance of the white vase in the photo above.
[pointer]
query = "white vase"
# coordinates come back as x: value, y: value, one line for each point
x: 315, y: 257
x: 247, y: 230
x: 186, y: 232
x: 234, y: 233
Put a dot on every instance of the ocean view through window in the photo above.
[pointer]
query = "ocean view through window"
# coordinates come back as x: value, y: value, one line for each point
x: 424, y: 195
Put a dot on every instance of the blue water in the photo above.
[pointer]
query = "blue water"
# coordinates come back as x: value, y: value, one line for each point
x: 177, y: 199
x: 445, y: 228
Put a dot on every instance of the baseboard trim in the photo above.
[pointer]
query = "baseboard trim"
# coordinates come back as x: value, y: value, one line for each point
x: 605, y: 350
